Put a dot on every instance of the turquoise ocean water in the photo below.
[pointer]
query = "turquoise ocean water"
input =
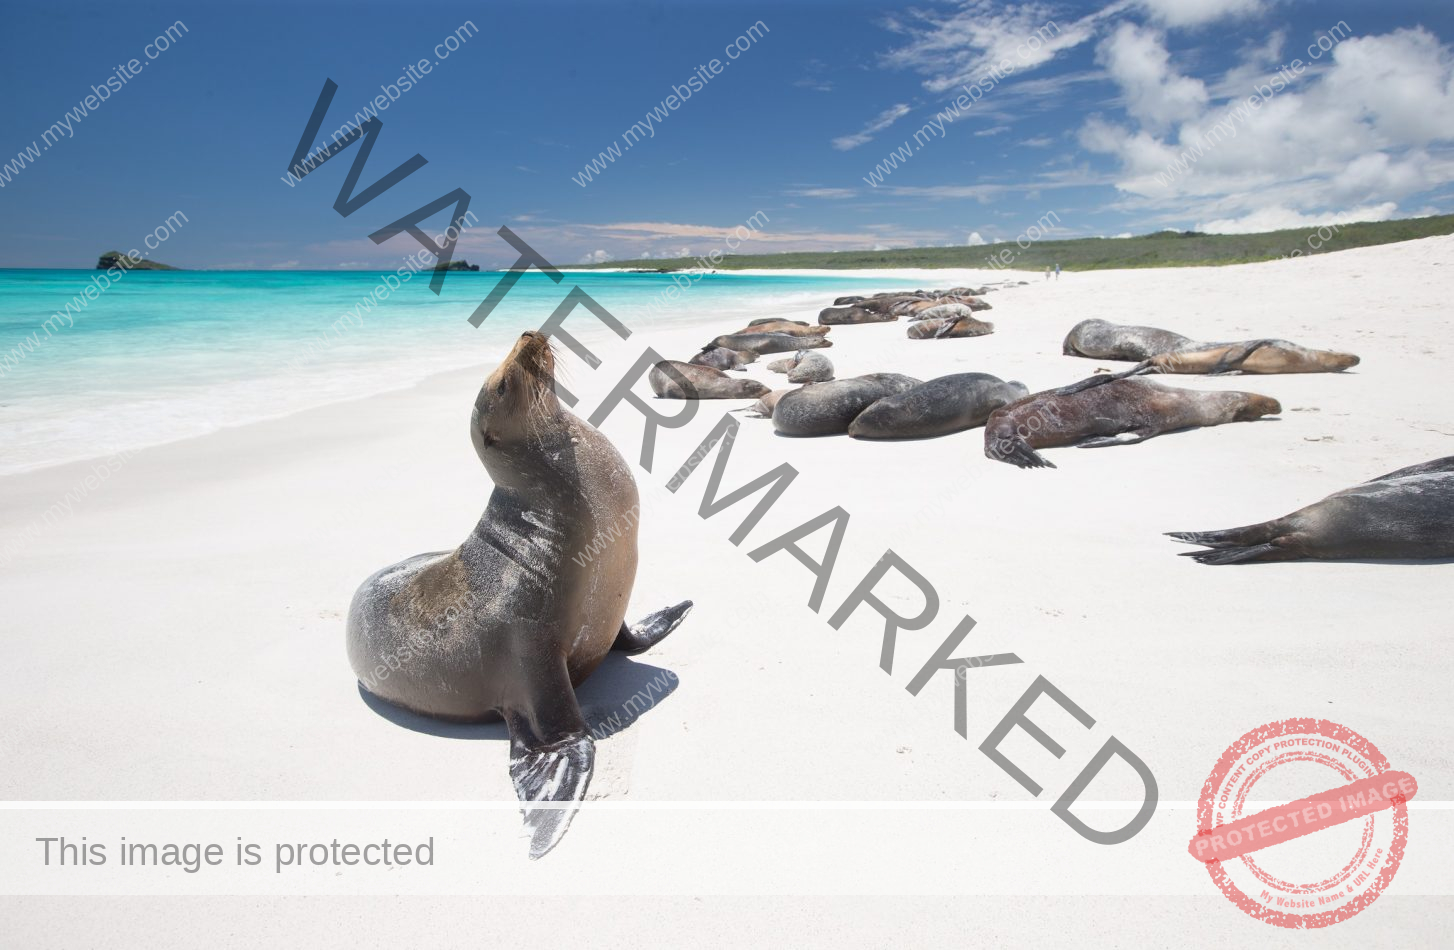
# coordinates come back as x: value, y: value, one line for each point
x: 164, y: 356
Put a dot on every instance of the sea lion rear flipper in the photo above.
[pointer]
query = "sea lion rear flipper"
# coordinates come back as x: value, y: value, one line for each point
x: 947, y: 327
x: 1268, y: 541
x: 651, y: 629
x: 1232, y: 360
x: 555, y: 767
x: 1242, y: 555
x: 1091, y: 382
x: 1016, y: 451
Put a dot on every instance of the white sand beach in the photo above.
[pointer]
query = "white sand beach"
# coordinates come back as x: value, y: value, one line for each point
x: 180, y: 638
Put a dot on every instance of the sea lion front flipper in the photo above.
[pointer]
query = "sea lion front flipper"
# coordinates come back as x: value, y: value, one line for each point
x: 651, y: 629
x: 1120, y: 438
x: 551, y: 759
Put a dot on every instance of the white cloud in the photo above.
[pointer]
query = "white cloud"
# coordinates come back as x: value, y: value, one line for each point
x: 1278, y: 218
x: 964, y: 43
x: 880, y: 122
x: 974, y: 239
x: 822, y: 193
x: 1040, y: 141
x: 1156, y: 94
x: 1369, y: 126
x: 1198, y: 12
x: 996, y: 130
x: 596, y: 257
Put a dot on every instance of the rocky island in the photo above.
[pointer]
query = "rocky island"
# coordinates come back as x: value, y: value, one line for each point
x: 127, y: 262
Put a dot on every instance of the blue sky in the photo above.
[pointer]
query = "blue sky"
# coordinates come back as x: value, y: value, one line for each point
x: 1083, y: 125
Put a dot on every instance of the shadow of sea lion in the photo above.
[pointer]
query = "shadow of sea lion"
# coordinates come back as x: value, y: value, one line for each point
x: 618, y: 693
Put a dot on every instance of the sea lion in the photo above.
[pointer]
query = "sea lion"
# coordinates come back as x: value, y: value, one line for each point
x: 785, y: 326
x: 1407, y: 514
x: 1252, y: 358
x: 918, y: 309
x: 1102, y: 340
x: 762, y: 409
x: 856, y: 314
x: 949, y: 328
x: 1173, y: 353
x: 938, y: 407
x: 811, y: 368
x: 765, y: 343
x: 829, y: 408
x: 510, y: 622
x: 761, y: 321
x: 1110, y: 410
x: 940, y: 311
x: 670, y: 379
x: 720, y: 357
x: 845, y: 301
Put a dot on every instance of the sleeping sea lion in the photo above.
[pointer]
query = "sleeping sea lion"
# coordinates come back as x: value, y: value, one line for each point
x: 1110, y: 410
x: 670, y: 379
x: 1404, y: 514
x: 937, y: 407
x: 829, y: 408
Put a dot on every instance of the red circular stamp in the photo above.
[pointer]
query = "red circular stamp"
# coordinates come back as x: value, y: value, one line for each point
x: 1319, y: 858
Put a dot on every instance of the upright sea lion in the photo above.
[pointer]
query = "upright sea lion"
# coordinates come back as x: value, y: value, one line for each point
x: 1170, y: 352
x: 949, y: 328
x: 829, y: 408
x: 670, y: 379
x: 937, y: 407
x: 1109, y: 410
x: 508, y: 623
x: 765, y: 343
x: 1404, y: 514
x: 720, y: 357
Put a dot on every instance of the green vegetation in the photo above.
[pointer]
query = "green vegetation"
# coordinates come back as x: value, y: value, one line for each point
x: 1162, y: 249
x: 126, y: 262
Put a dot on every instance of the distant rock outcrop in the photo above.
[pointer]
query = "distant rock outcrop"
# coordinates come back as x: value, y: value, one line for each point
x: 126, y: 262
x: 457, y: 265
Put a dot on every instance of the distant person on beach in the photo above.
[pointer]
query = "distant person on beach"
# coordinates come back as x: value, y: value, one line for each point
x: 1057, y: 271
x: 1047, y: 271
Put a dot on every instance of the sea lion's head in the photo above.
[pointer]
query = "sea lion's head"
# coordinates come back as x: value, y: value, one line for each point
x: 1255, y: 406
x: 518, y: 402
